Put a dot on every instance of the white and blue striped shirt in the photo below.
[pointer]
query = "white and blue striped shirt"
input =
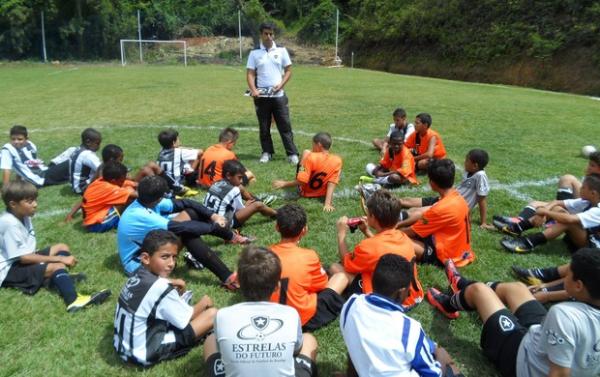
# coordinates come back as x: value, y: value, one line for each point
x: 383, y: 341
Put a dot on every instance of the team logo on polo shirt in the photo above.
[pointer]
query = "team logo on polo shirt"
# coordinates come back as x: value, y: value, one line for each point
x: 506, y: 324
x: 554, y: 339
x: 259, y: 328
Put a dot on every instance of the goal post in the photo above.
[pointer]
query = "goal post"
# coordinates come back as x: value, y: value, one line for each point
x: 140, y: 41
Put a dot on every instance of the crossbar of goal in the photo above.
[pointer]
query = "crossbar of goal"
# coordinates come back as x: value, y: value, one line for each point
x: 140, y: 41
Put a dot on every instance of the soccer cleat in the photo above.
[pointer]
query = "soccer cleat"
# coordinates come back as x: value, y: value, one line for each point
x: 506, y: 219
x: 365, y: 179
x: 231, y: 284
x: 512, y: 229
x: 452, y: 274
x: 436, y: 298
x: 267, y: 199
x: 192, y: 262
x: 293, y: 159
x: 265, y: 157
x: 188, y: 192
x: 526, y: 276
x: 516, y: 245
x: 84, y: 300
x: 239, y: 239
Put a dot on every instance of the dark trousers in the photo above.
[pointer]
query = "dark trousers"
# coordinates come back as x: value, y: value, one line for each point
x: 276, y: 107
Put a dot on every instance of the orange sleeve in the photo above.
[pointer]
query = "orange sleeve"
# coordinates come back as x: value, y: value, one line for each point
x: 428, y: 223
x: 358, y: 261
x: 335, y: 174
x: 411, y: 141
x: 385, y: 161
x: 318, y: 277
x: 303, y: 175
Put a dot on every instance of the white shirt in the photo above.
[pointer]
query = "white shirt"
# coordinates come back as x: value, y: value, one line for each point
x: 588, y: 216
x: 269, y: 65
x: 83, y: 170
x: 569, y: 337
x: 258, y: 339
x: 16, y: 239
x: 409, y: 129
x: 24, y: 162
x: 383, y: 341
x: 474, y: 186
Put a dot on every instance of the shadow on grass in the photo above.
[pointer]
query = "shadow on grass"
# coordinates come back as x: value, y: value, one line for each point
x: 109, y: 355
x: 112, y: 262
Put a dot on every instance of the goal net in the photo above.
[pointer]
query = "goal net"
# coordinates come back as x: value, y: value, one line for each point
x: 153, y: 51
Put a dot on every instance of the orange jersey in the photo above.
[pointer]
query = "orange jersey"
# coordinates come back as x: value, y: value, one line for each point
x: 317, y: 170
x: 403, y: 163
x: 448, y: 222
x: 302, y: 277
x: 439, y: 151
x: 211, y: 164
x: 99, y: 197
x: 367, y: 253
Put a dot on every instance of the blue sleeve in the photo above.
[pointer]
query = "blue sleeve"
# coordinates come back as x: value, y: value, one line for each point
x: 424, y: 362
x: 164, y: 207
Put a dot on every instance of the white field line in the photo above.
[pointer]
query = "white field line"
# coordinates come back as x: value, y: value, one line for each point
x: 511, y: 188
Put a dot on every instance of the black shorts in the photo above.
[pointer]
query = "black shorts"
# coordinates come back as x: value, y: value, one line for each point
x: 329, y: 306
x: 430, y: 253
x: 185, y: 340
x: 429, y: 201
x: 28, y: 278
x: 303, y: 365
x: 57, y: 174
x: 503, y: 331
x: 355, y: 287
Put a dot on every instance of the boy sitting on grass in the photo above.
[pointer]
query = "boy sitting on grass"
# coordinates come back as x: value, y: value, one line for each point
x: 383, y: 211
x: 397, y: 166
x: 20, y: 155
x: 151, y: 210
x: 519, y: 335
x: 368, y: 320
x: 83, y: 161
x: 225, y: 197
x: 400, y: 124
x: 443, y: 231
x: 318, y: 172
x: 257, y: 337
x: 106, y: 198
x: 153, y: 322
x: 24, y: 268
x: 304, y: 283
x: 425, y: 144
x: 474, y: 188
x: 579, y: 219
x: 178, y: 164
x: 211, y: 164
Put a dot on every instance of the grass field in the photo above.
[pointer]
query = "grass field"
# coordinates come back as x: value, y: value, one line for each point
x: 531, y: 136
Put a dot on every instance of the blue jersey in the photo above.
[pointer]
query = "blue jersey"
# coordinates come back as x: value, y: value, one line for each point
x: 134, y: 224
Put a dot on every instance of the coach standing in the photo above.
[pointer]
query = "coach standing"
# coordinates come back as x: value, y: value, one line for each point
x: 265, y: 68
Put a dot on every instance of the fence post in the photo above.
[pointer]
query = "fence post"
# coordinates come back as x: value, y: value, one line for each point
x: 44, y: 39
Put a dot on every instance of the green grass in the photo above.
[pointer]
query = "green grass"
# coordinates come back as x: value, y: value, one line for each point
x: 531, y: 135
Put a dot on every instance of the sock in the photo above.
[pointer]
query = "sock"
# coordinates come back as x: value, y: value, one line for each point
x: 524, y: 225
x: 382, y: 180
x: 536, y: 239
x: 545, y: 274
x: 63, y: 283
x: 458, y: 301
x: 564, y: 193
x: 64, y: 253
x: 493, y: 285
x: 526, y: 213
x: 463, y: 282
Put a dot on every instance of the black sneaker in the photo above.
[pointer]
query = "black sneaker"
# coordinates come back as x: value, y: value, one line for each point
x: 512, y: 229
x: 506, y: 219
x: 526, y: 276
x: 192, y: 262
x: 516, y: 245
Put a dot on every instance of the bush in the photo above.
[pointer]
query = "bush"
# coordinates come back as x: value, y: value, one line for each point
x: 319, y: 26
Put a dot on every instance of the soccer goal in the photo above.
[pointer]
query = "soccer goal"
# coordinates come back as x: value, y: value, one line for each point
x: 153, y: 50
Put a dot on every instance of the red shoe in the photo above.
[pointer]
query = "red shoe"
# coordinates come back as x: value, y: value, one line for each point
x: 239, y: 239
x: 231, y: 284
x: 435, y: 298
x: 452, y: 274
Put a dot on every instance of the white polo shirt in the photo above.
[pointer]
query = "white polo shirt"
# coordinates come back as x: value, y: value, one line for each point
x: 269, y: 65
